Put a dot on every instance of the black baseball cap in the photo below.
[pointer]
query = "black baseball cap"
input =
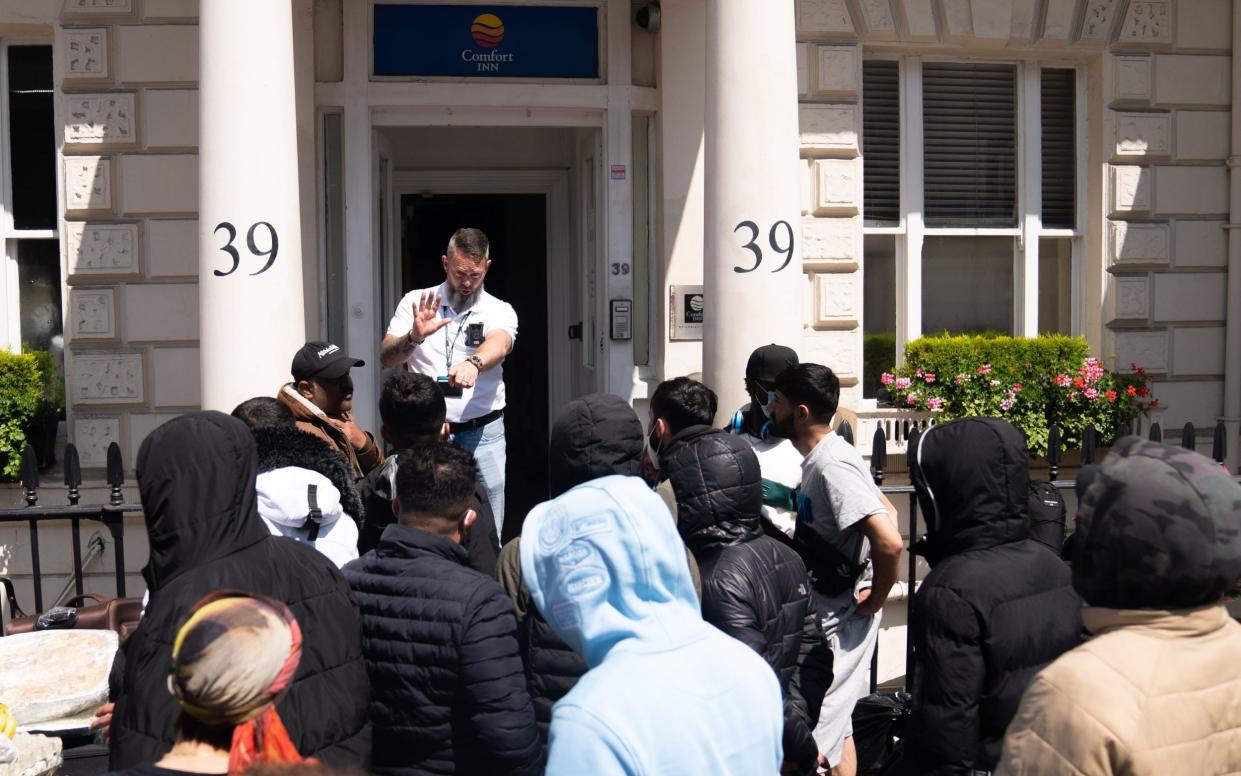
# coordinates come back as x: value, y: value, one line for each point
x: 322, y: 359
x: 768, y: 361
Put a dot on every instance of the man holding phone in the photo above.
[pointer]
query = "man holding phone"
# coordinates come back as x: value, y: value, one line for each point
x: 459, y: 335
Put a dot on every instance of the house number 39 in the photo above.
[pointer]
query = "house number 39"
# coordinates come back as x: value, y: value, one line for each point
x: 273, y: 243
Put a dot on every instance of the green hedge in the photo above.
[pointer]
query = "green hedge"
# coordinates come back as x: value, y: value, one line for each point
x: 21, y: 394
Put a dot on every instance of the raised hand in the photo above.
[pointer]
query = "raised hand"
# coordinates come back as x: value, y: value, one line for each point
x: 426, y: 317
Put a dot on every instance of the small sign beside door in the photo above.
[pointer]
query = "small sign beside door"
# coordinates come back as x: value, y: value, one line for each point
x: 618, y: 172
x: 685, y: 309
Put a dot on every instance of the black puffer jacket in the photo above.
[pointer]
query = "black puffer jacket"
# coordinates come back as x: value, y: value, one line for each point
x: 279, y: 447
x: 754, y: 588
x: 441, y: 648
x: 196, y: 478
x: 995, y: 608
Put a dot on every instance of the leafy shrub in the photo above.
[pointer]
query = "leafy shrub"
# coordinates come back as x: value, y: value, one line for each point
x: 1032, y: 383
x: 21, y: 393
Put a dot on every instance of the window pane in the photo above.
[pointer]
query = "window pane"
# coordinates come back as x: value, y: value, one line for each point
x: 333, y: 228
x: 970, y: 142
x: 879, y: 309
x: 967, y: 285
x: 32, y: 150
x: 881, y: 143
x: 38, y: 275
x: 1055, y: 284
x: 641, y: 239
x: 1059, y: 147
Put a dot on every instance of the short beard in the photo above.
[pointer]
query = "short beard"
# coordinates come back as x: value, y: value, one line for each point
x: 460, y: 302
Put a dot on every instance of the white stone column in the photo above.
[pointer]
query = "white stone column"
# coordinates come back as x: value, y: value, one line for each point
x: 752, y: 269
x: 250, y: 253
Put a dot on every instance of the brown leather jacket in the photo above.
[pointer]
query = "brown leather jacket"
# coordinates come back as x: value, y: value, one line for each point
x: 311, y: 419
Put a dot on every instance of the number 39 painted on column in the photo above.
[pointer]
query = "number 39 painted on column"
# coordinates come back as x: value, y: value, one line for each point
x: 751, y: 246
x: 228, y: 247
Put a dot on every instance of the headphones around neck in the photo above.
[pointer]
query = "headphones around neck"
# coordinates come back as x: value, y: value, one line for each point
x: 737, y: 426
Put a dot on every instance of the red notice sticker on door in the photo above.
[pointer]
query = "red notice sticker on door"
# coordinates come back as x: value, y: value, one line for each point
x: 618, y: 172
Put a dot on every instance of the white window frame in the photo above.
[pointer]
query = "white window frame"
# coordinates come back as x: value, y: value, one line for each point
x: 911, y: 231
x: 10, y: 285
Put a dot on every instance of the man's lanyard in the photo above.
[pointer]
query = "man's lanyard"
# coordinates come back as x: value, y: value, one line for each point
x: 450, y: 346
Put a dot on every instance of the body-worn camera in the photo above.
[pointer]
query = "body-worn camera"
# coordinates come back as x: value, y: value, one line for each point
x: 449, y: 391
x: 474, y: 335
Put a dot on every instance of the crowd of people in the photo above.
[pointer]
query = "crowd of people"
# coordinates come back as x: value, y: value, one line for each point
x: 695, y: 597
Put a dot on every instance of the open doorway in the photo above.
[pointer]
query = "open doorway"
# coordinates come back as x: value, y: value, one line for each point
x: 516, y: 226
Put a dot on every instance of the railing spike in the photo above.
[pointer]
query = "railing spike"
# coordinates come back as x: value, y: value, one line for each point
x: 1053, y: 452
x: 1188, y: 435
x: 1089, y: 440
x: 1156, y: 433
x: 116, y: 473
x: 879, y: 454
x: 73, y: 472
x: 1219, y: 443
x: 30, y: 475
x: 845, y: 431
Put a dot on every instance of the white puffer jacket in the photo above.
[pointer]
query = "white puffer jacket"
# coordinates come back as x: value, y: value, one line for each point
x: 283, y: 502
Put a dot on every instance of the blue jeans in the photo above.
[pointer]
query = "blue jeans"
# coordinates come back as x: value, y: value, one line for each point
x: 487, y: 445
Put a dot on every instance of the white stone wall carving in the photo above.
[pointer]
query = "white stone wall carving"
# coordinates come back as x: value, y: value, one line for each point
x: 102, y: 249
x: 107, y: 378
x: 827, y: 243
x: 92, y: 436
x: 838, y: 186
x: 111, y: 6
x: 1147, y: 349
x: 1133, y: 78
x: 99, y: 118
x: 88, y: 183
x: 837, y: 71
x: 1132, y: 298
x: 878, y: 15
x: 1131, y: 189
x: 1143, y: 134
x: 836, y: 296
x: 1140, y: 243
x: 1148, y: 22
x: 86, y: 53
x: 92, y: 313
x: 1097, y: 23
x: 823, y: 16
x: 829, y: 129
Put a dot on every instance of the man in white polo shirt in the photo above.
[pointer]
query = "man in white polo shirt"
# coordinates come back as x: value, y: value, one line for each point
x: 459, y: 335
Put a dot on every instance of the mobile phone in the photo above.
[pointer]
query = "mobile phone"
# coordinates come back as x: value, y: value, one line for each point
x: 449, y: 391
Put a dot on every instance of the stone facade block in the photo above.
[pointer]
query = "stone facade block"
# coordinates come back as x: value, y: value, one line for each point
x: 1131, y: 189
x: 166, y: 183
x: 1183, y: 79
x: 1185, y: 296
x: 1204, y: 24
x: 175, y: 380
x: 841, y: 351
x: 838, y: 71
x: 829, y: 242
x: 919, y: 20
x: 157, y: 53
x: 803, y: 70
x: 1201, y: 244
x: 1200, y: 402
x: 993, y: 22
x: 88, y: 183
x: 823, y: 17
x: 170, y: 118
x: 880, y: 22
x: 170, y: 9
x: 102, y: 249
x: 829, y: 130
x: 958, y: 23
x: 99, y: 119
x: 1143, y: 134
x: 1202, y: 134
x: 141, y: 426
x: 1132, y: 78
x: 1136, y: 243
x: 106, y: 378
x: 172, y: 248
x: 1025, y: 20
x: 837, y: 300
x: 92, y: 436
x: 1147, y: 349
x: 1097, y: 21
x: 838, y: 189
x: 98, y: 6
x: 161, y: 312
x: 92, y: 313
x: 1198, y: 350
x: 1191, y: 190
x: 86, y: 54
x: 1132, y: 298
x: 1147, y: 22
x: 1058, y: 21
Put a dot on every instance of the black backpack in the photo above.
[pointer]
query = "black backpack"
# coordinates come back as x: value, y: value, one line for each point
x: 1048, y: 515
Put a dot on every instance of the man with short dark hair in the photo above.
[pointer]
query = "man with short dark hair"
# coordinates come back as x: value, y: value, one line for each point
x: 847, y: 535
x: 411, y: 409
x: 467, y: 357
x: 677, y: 404
x: 264, y: 412
x: 321, y: 397
x: 439, y: 638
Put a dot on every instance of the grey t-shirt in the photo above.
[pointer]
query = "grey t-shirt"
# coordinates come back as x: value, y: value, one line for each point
x: 837, y: 492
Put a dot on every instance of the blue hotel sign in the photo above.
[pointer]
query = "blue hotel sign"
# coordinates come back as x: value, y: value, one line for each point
x: 505, y: 41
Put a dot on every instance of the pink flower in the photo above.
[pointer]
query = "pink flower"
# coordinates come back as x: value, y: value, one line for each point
x: 1072, y: 396
x: 1111, y: 396
x: 918, y: 373
x: 1061, y: 380
x: 961, y: 379
x: 985, y: 369
x: 929, y: 377
x: 886, y: 378
x: 1006, y: 405
x: 1016, y: 387
x: 935, y: 403
x: 912, y: 399
x: 1090, y: 393
x: 902, y: 383
x: 995, y: 383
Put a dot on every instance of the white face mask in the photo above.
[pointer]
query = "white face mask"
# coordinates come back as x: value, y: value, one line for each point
x: 651, y: 451
x: 766, y: 408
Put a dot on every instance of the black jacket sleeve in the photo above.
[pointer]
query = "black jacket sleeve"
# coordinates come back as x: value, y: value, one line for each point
x: 728, y: 603
x: 804, y: 697
x: 495, y: 684
x: 944, y: 735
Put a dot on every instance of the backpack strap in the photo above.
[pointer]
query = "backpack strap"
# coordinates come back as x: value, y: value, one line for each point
x: 315, y: 517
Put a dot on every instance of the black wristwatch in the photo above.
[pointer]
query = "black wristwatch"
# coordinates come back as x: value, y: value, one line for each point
x: 477, y: 362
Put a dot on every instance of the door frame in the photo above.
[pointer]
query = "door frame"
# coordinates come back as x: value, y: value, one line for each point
x: 554, y: 185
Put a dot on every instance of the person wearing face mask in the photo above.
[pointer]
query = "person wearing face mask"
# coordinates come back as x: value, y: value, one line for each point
x: 677, y: 406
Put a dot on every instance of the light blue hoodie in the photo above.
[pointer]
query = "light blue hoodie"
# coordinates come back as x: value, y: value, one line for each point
x: 666, y: 693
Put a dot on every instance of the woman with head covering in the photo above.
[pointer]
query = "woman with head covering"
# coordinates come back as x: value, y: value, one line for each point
x: 232, y: 661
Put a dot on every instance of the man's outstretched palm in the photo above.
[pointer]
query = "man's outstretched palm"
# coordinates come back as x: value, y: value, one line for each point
x: 426, y: 316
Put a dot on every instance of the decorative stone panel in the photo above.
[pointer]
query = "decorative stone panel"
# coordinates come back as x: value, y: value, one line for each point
x: 1201, y: 244
x: 88, y: 183
x: 1202, y: 134
x: 106, y: 378
x: 1147, y: 349
x: 92, y: 313
x: 829, y: 130
x: 1143, y: 134
x: 880, y: 23
x: 837, y: 71
x: 1190, y: 296
x: 841, y: 351
x: 99, y: 6
x: 99, y: 119
x: 832, y: 244
x: 838, y: 187
x: 1147, y: 22
x: 1191, y: 190
x: 1132, y: 78
x: 836, y: 300
x: 815, y: 17
x: 1131, y: 189
x: 1198, y: 350
x: 1140, y: 243
x: 92, y: 436
x: 1132, y: 298
x: 86, y: 53
x: 1097, y: 22
x: 102, y: 249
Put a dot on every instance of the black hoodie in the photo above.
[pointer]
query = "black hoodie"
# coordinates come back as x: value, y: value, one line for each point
x: 196, y: 479
x: 995, y: 608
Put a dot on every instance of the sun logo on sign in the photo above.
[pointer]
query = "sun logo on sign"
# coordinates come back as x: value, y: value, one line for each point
x: 487, y: 30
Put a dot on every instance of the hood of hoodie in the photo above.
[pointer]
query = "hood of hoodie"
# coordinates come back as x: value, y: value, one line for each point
x: 605, y: 566
x: 718, y: 485
x: 196, y: 480
x: 284, y: 497
x: 593, y: 436
x: 972, y: 482
x: 280, y: 447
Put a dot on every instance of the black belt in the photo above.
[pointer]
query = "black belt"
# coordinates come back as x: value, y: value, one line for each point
x: 479, y: 422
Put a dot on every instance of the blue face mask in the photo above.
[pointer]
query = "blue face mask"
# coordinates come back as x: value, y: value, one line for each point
x: 771, y: 399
